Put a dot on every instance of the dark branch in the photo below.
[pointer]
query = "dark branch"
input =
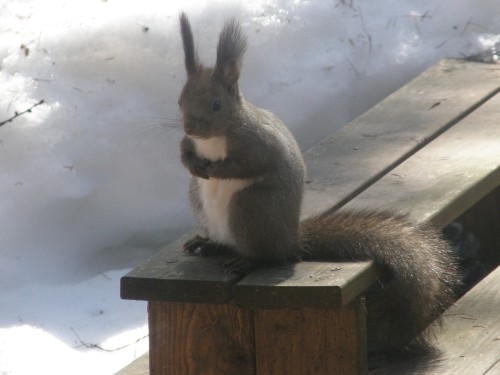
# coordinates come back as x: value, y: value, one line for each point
x: 96, y: 346
x: 17, y: 114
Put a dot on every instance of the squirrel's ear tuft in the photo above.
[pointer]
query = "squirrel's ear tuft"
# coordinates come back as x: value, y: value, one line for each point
x: 191, y: 60
x: 230, y: 50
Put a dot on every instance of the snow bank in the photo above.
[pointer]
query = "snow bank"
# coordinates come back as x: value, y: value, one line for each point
x: 90, y: 179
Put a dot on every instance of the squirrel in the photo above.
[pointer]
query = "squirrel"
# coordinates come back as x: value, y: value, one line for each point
x: 246, y: 192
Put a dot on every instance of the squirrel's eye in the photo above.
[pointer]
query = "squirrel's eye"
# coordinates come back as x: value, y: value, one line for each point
x: 216, y: 105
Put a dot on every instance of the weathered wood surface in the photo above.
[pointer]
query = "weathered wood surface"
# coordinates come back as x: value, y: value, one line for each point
x: 140, y: 366
x: 311, y: 341
x: 195, y: 339
x: 357, y: 155
x: 452, y: 173
x: 470, y: 344
x: 172, y: 275
x: 310, y: 284
x: 471, y: 341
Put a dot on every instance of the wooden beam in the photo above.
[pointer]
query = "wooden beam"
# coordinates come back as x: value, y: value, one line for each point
x: 470, y: 342
x: 311, y: 341
x: 172, y: 275
x: 448, y: 176
x: 308, y: 284
x: 356, y: 156
x: 193, y: 339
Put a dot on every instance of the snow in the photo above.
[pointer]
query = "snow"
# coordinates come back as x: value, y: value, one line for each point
x: 90, y: 179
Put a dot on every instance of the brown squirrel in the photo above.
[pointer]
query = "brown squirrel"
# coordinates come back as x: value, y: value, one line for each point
x: 246, y: 192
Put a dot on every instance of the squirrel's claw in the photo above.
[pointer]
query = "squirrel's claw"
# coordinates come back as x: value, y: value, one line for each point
x: 204, y: 246
x: 239, y: 266
x: 195, y: 244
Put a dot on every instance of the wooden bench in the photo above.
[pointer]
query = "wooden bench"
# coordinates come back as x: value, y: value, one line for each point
x: 431, y: 149
x: 470, y: 342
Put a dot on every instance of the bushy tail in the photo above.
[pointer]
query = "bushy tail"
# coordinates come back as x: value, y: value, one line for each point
x: 422, y: 266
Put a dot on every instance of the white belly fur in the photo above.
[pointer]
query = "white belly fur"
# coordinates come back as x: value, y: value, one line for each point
x: 216, y: 194
x: 213, y: 149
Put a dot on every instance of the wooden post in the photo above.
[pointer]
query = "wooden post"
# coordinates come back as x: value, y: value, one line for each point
x: 311, y: 341
x: 200, y: 338
x: 188, y: 338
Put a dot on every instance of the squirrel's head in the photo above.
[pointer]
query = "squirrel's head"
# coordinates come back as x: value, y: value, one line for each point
x: 210, y: 101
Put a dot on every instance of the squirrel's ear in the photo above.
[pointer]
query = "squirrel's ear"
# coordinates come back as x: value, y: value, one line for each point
x: 230, y: 50
x: 191, y: 60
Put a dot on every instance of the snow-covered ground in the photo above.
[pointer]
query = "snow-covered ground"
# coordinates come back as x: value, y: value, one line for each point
x: 90, y: 180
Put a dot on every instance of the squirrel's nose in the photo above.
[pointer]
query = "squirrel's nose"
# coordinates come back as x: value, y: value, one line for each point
x: 188, y: 128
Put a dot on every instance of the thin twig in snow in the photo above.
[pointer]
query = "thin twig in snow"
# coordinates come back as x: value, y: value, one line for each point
x: 97, y: 346
x: 353, y: 67
x: 17, y: 114
x: 365, y: 30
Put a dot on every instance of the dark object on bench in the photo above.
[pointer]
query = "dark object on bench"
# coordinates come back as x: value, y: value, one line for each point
x: 466, y: 247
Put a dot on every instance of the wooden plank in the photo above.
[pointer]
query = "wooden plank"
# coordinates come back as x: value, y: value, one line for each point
x: 194, y: 339
x: 353, y: 158
x: 140, y: 366
x: 437, y: 194
x: 311, y: 341
x: 307, y: 284
x: 470, y: 344
x: 448, y: 176
x: 172, y: 275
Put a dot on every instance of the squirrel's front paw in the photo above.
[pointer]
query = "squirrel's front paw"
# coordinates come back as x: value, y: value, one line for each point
x: 195, y: 244
x: 204, y: 246
x: 197, y: 166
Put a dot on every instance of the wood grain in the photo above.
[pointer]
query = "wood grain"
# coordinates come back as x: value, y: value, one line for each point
x: 140, y: 366
x: 452, y: 173
x: 470, y: 344
x: 173, y: 275
x: 311, y: 341
x: 307, y: 284
x: 354, y: 157
x: 196, y: 339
